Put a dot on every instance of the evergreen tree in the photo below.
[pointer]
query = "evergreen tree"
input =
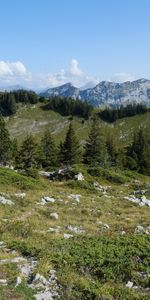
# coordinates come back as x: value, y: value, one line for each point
x: 139, y: 151
x: 11, y: 104
x: 15, y: 149
x: 95, y: 148
x: 27, y: 156
x: 70, y: 150
x: 111, y: 149
x: 5, y: 143
x: 48, y: 150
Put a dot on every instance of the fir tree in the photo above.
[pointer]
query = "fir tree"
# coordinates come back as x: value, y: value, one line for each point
x: 27, y: 156
x: 70, y: 150
x: 95, y: 148
x: 5, y: 143
x: 139, y: 152
x: 48, y: 150
x: 111, y: 149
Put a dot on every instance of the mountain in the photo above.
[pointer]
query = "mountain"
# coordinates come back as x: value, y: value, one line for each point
x: 66, y: 90
x: 106, y: 93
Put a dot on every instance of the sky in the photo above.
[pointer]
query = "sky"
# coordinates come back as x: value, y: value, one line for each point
x: 46, y: 43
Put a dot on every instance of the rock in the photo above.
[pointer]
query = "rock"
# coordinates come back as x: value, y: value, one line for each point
x: 129, y: 284
x: 20, y: 195
x: 40, y: 278
x: 141, y: 201
x: 2, y: 244
x: 48, y: 199
x: 44, y: 174
x: 101, y: 188
x: 4, y: 201
x: 75, y: 229
x: 79, y: 177
x: 54, y: 230
x: 123, y: 232
x: 18, y: 281
x: 27, y: 267
x: 132, y: 199
x: 3, y: 281
x: 75, y: 197
x: 139, y: 192
x: 68, y: 236
x: 47, y: 295
x: 145, y: 201
x: 62, y: 174
x: 106, y: 226
x: 140, y: 229
x: 54, y: 216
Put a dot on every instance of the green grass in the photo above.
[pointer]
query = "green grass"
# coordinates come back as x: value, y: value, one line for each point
x: 33, y: 119
x: 96, y: 264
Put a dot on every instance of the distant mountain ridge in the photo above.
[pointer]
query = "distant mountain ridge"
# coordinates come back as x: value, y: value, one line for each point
x: 106, y: 93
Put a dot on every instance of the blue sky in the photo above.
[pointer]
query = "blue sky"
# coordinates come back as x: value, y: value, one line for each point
x: 50, y: 42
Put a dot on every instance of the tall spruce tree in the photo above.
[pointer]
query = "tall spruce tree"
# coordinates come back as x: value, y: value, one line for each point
x: 139, y: 152
x: 95, y: 149
x: 111, y: 149
x: 27, y: 156
x: 5, y: 143
x: 48, y: 150
x: 70, y: 152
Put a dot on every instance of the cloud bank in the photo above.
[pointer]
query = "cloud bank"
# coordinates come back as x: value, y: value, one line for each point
x: 16, y: 73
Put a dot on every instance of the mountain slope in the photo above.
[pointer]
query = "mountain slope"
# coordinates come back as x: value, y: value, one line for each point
x: 66, y: 90
x: 106, y: 93
x: 33, y: 119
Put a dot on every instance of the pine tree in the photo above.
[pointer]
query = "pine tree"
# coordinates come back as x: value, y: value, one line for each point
x: 11, y: 104
x: 48, y: 150
x: 27, y: 157
x: 139, y: 152
x: 5, y: 143
x: 111, y: 149
x: 95, y: 148
x: 70, y: 150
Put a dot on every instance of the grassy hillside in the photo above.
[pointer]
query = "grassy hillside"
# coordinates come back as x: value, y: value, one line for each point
x: 92, y: 247
x: 73, y: 239
x: 34, y: 119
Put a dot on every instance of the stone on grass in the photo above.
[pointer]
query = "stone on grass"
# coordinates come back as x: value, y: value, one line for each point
x: 46, y: 199
x: 129, y: 284
x: 79, y: 177
x: 20, y: 195
x: 75, y: 197
x: 3, y: 281
x: 140, y: 229
x: 75, y: 229
x: 4, y: 201
x: 47, y: 295
x: 68, y: 236
x: 18, y: 281
x: 54, y: 216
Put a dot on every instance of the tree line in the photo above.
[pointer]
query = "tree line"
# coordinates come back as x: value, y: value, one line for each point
x: 99, y: 151
x: 68, y: 106
x: 113, y: 114
x: 9, y: 100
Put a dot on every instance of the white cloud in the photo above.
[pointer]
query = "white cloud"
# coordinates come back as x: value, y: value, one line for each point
x: 122, y: 77
x: 12, y: 73
x: 12, y: 69
x: 74, y: 69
